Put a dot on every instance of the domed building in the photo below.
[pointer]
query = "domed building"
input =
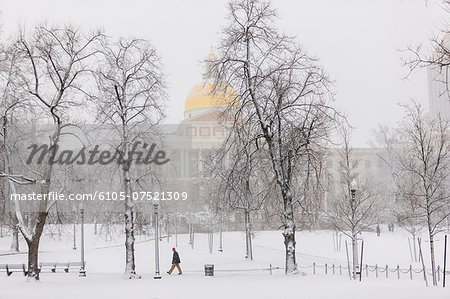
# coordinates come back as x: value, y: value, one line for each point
x: 200, y: 99
x: 196, y: 136
x: 202, y: 111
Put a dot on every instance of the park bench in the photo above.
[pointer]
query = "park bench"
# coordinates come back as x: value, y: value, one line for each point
x: 10, y: 268
x: 73, y: 265
x: 52, y: 266
x: 48, y: 265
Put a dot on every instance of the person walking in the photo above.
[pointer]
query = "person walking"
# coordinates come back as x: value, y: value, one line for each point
x: 378, y: 230
x: 175, y: 262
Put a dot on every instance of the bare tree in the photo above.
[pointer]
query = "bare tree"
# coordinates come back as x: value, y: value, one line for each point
x: 426, y: 161
x: 12, y: 104
x: 281, y: 92
x: 241, y: 180
x: 407, y: 208
x: 50, y: 68
x: 355, y: 207
x: 439, y: 56
x: 131, y: 98
x: 397, y: 184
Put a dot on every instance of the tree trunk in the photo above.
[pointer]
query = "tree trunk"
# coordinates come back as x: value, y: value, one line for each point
x: 33, y: 245
x: 355, y: 255
x: 431, y: 236
x: 289, y: 235
x: 433, y: 263
x: 130, y: 266
x: 15, y: 234
x: 33, y: 240
x: 248, y: 236
x: 33, y: 266
x: 33, y: 237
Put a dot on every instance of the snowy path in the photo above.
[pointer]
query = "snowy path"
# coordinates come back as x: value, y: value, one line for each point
x: 105, y: 262
x: 222, y: 286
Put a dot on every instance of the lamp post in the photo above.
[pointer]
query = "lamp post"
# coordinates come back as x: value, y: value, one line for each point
x: 353, y: 189
x: 82, y: 272
x: 176, y: 230
x: 167, y: 228
x: 156, y: 211
x: 220, y: 233
x: 74, y: 217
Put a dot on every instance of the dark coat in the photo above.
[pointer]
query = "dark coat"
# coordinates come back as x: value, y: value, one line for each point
x: 175, y: 258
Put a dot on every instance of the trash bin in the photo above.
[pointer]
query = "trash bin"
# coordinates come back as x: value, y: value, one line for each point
x: 209, y: 270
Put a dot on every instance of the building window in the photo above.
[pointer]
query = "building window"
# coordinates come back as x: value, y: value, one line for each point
x: 205, y: 131
x: 191, y: 131
x: 218, y: 132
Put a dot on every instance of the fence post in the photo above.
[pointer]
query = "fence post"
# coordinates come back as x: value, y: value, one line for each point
x: 398, y: 272
x: 419, y: 240
x: 326, y: 268
x: 445, y: 262
x: 333, y: 269
x: 410, y: 272
x: 340, y: 270
x: 387, y: 270
x: 367, y: 270
x: 361, y: 261
x: 270, y: 269
x: 314, y: 268
x: 438, y: 274
x: 376, y: 270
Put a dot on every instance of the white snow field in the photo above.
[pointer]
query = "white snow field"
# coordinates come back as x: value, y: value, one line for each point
x: 105, y: 265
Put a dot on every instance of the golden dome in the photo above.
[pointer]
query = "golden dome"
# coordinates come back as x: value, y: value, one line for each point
x: 200, y: 96
x: 211, y: 55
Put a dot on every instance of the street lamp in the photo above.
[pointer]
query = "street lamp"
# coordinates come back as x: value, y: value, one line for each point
x: 156, y: 211
x: 220, y: 233
x: 353, y: 188
x: 82, y: 272
x: 356, y: 270
x: 74, y: 217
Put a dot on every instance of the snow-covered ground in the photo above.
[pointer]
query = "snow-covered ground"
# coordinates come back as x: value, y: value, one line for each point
x: 105, y: 265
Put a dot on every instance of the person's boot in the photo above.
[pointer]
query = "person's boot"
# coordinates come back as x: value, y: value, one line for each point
x: 180, y: 273
x: 168, y: 272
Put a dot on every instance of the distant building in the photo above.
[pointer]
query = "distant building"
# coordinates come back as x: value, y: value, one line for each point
x: 370, y: 167
x: 370, y: 164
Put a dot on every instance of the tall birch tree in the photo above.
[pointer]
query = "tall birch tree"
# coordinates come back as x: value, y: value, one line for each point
x: 426, y: 161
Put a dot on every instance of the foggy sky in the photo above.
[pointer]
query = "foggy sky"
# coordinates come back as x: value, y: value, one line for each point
x: 357, y: 41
